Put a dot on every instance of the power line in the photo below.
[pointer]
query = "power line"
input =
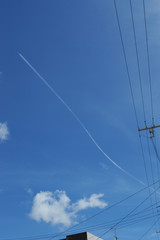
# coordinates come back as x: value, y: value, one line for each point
x: 157, y: 157
x: 137, y: 57
x: 127, y: 68
x: 126, y: 63
x: 144, y: 161
x: 129, y: 79
x: 148, y: 58
x: 140, y: 80
x: 155, y: 149
x: 132, y: 218
x: 151, y: 166
x: 136, y: 207
x: 145, y: 167
x: 138, y: 221
x: 128, y: 222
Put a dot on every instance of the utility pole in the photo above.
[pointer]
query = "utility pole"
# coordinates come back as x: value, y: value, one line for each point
x: 116, y: 236
x: 151, y: 129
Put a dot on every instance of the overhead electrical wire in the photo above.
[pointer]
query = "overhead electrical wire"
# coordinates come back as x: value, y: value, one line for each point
x: 132, y: 219
x: 130, y: 84
x: 148, y: 59
x: 115, y: 228
x: 126, y: 225
x: 149, y: 72
x: 157, y: 157
x: 152, y: 175
x: 150, y: 83
x: 140, y: 80
x: 155, y: 148
x: 129, y: 79
x: 126, y: 64
x: 142, y: 214
x: 139, y: 74
x: 138, y: 63
x: 150, y: 159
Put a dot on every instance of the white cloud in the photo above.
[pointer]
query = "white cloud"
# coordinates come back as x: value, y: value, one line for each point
x: 56, y: 208
x: 51, y: 207
x: 4, y: 132
x: 93, y: 201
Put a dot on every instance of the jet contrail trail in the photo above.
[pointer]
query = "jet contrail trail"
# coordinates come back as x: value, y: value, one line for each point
x: 79, y: 121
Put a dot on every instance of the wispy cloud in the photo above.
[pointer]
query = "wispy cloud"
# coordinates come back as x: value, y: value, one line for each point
x: 4, y: 132
x: 29, y: 191
x: 56, y: 208
x: 104, y: 165
x: 79, y: 121
x: 121, y: 185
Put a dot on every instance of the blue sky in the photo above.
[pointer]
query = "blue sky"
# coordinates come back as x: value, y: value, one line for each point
x: 45, y: 153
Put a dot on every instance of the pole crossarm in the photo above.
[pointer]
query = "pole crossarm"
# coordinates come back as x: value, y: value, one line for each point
x: 151, y: 129
x: 148, y: 128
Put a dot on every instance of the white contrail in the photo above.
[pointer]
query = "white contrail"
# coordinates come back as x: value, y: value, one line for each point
x: 79, y: 121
